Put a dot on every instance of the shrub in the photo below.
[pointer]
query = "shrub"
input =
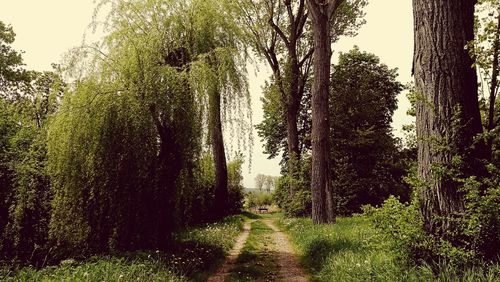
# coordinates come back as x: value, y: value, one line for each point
x: 473, y: 238
x: 300, y: 202
x: 259, y: 199
x: 235, y: 185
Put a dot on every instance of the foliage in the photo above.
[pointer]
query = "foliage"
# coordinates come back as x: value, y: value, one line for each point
x: 486, y: 25
x: 235, y: 186
x: 354, y: 250
x: 28, y: 100
x: 367, y: 162
x: 94, y: 143
x: 258, y: 199
x: 485, y: 49
x: 298, y: 204
x: 139, y: 108
x: 272, y: 129
x: 470, y: 241
x: 13, y: 76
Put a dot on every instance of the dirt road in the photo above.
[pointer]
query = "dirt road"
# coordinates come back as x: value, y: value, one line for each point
x: 281, y: 251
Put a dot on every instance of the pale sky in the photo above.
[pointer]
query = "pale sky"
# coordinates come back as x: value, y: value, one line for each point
x: 47, y: 29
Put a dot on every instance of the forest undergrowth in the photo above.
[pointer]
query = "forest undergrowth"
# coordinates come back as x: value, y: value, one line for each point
x: 194, y: 253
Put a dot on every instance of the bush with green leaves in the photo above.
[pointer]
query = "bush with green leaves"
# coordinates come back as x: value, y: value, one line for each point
x: 196, y: 201
x: 297, y: 204
x: 472, y: 239
x: 258, y: 199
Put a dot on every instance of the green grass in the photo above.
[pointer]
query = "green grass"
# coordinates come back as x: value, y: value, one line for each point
x: 102, y: 269
x: 194, y: 253
x: 257, y: 261
x: 353, y: 250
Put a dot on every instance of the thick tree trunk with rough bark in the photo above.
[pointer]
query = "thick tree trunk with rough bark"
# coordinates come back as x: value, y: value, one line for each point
x: 447, y: 110
x: 219, y: 155
x: 322, y: 196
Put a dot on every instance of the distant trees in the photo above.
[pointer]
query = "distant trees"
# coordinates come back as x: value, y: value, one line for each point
x: 266, y: 182
x: 259, y: 181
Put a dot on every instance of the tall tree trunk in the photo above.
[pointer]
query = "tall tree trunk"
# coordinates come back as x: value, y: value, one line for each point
x: 322, y: 198
x: 448, y: 109
x: 292, y: 105
x: 219, y: 156
x: 493, y: 88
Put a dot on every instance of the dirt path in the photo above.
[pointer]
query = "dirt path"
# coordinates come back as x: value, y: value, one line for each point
x: 233, y: 254
x: 288, y: 262
x: 290, y: 269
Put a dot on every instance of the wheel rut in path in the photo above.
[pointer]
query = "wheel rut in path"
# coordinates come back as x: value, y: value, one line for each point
x: 223, y: 271
x: 290, y: 269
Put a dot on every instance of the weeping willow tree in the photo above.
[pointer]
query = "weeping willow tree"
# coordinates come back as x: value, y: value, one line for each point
x: 127, y: 143
x: 218, y: 74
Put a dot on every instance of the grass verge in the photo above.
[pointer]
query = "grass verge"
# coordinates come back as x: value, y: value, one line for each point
x: 353, y: 250
x: 194, y: 253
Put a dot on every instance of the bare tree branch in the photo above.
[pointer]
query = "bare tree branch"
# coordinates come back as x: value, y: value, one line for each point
x: 279, y: 32
x: 307, y: 56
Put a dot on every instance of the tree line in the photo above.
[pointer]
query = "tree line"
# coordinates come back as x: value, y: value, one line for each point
x: 131, y: 145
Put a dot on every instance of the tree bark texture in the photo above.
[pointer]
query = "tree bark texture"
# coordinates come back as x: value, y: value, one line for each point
x: 322, y: 196
x: 447, y: 110
x: 219, y: 155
